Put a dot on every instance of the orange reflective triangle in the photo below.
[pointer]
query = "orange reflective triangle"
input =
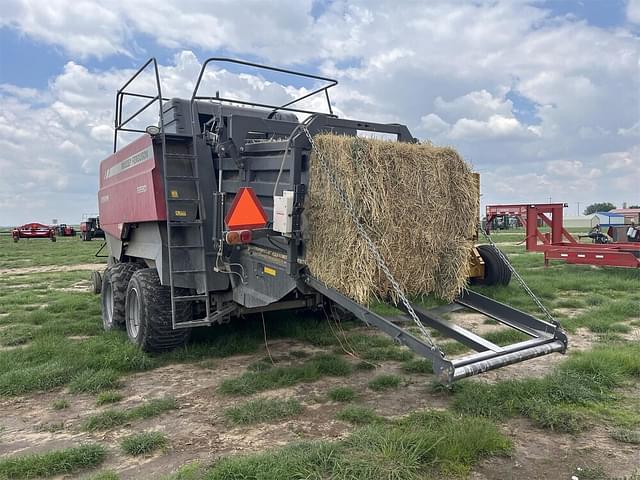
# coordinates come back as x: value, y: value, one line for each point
x: 246, y: 212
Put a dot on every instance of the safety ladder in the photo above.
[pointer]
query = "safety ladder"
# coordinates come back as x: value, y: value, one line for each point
x: 185, y: 232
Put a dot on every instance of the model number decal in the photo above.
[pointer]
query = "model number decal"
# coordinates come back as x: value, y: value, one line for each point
x: 129, y: 162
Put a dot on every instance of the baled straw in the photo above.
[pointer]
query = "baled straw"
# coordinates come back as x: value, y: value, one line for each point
x: 417, y: 202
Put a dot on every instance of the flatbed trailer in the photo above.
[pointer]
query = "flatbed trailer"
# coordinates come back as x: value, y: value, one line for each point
x: 558, y: 243
x: 177, y: 259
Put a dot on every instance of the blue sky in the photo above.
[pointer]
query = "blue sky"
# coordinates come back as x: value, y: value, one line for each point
x: 540, y: 96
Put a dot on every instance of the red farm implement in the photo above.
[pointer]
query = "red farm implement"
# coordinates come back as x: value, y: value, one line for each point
x: 558, y: 243
x: 33, y: 230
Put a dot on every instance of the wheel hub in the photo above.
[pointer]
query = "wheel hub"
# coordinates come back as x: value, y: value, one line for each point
x: 133, y: 313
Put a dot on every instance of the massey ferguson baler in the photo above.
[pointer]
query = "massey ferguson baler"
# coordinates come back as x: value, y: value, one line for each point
x: 203, y: 216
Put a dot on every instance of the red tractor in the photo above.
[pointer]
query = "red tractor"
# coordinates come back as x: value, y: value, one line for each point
x: 33, y: 230
x: 64, y: 230
x: 90, y: 228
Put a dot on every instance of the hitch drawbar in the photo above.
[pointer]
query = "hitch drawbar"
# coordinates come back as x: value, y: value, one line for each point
x: 545, y: 337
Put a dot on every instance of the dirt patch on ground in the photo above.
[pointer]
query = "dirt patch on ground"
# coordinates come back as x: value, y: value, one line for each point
x: 51, y: 268
x: 543, y: 455
x: 199, y: 431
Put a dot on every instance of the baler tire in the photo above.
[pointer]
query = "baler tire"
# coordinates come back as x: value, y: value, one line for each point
x: 150, y: 301
x: 496, y: 271
x: 114, y: 284
x: 96, y: 282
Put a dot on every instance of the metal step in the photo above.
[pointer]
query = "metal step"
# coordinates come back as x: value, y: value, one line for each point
x: 190, y: 298
x: 186, y: 223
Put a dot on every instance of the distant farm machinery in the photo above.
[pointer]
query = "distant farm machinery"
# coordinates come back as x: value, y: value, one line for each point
x: 33, y: 230
x: 558, y: 243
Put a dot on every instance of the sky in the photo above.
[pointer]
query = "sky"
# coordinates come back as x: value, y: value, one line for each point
x: 541, y: 97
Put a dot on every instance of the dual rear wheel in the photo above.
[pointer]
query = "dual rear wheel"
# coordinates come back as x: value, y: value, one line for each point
x: 134, y: 299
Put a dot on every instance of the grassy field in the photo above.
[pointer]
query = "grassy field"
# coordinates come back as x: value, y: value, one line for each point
x: 326, y: 400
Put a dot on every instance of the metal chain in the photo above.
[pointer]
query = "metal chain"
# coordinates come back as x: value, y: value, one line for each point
x: 373, y: 249
x: 521, y: 281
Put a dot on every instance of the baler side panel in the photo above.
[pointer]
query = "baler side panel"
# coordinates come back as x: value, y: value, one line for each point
x: 131, y: 188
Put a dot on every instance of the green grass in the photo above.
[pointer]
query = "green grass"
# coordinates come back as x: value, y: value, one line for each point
x: 566, y: 399
x: 93, y: 381
x: 342, y: 394
x: 108, y: 396
x: 277, y: 377
x: 106, y: 475
x: 60, y: 404
x: 422, y: 445
x: 418, y: 365
x: 113, y: 418
x: 56, y: 462
x: 626, y: 436
x: 385, y: 382
x: 144, y: 443
x: 65, y: 251
x: 358, y: 415
x: 17, y: 334
x: 263, y: 410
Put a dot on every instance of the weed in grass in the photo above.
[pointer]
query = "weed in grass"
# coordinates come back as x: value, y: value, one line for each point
x: 376, y: 348
x: 113, y: 418
x: 441, y: 443
x: 106, y: 475
x: 93, y: 381
x: 56, y: 462
x: 626, y: 436
x: 384, y: 382
x: 358, y: 415
x: 190, y: 471
x: 342, y: 394
x: 60, y: 404
x: 584, y: 380
x: 16, y: 334
x: 153, y: 408
x: 277, y: 377
x: 105, y: 420
x: 506, y: 337
x: 143, y: 443
x: 262, y: 410
x: 364, y: 365
x: 108, y: 396
x: 418, y: 365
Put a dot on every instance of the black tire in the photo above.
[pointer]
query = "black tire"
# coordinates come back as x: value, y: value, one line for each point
x: 114, y: 292
x: 496, y: 271
x: 96, y: 282
x: 148, y: 314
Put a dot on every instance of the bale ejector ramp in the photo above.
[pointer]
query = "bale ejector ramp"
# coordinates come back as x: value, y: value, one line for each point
x: 545, y: 337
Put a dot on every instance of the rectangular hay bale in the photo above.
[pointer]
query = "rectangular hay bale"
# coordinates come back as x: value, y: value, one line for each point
x: 419, y: 204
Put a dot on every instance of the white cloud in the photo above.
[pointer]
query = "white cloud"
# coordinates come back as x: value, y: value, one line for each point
x: 445, y: 69
x: 633, y: 11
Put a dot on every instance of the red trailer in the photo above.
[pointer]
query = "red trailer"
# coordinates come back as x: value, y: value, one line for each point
x: 558, y: 243
x: 33, y: 230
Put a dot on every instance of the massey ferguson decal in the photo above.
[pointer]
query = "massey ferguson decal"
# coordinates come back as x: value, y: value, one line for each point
x: 130, y: 162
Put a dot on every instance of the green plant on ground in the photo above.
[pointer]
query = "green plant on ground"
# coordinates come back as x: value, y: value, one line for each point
x: 384, y: 382
x: 262, y: 410
x: 60, y: 404
x: 358, y: 415
x: 144, y: 443
x: 564, y: 399
x: 626, y: 436
x: 277, y: 377
x: 113, y: 418
x: 418, y: 365
x: 108, y: 396
x: 106, y: 475
x: 422, y: 445
x: 93, y: 381
x: 56, y: 462
x: 342, y: 394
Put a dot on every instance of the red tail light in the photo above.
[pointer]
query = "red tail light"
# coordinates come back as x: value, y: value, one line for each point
x: 236, y: 237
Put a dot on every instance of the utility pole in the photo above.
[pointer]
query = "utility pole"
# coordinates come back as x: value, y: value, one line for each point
x: 578, y: 208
